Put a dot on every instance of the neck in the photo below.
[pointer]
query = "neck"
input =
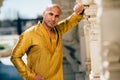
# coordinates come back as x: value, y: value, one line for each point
x: 47, y: 27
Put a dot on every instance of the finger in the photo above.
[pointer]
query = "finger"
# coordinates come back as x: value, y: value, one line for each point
x: 78, y: 8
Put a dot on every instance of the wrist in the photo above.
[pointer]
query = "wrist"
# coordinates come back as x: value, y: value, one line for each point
x: 82, y: 12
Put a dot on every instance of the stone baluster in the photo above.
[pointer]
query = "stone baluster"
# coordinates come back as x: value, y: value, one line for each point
x: 94, y: 42
x: 87, y: 42
x: 92, y: 39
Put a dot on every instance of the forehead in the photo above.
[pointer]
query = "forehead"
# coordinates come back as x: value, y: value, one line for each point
x: 54, y: 9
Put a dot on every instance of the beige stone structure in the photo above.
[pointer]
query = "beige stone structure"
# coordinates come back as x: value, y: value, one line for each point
x: 110, y: 39
x: 73, y: 68
x: 92, y: 40
x: 99, y: 49
x: 92, y: 50
x: 89, y: 40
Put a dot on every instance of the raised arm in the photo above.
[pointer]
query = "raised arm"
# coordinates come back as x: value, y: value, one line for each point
x: 72, y: 21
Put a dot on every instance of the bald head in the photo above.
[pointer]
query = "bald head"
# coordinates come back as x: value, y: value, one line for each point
x: 51, y: 16
x: 49, y: 7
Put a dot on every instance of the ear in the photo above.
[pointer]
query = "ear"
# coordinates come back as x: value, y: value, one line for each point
x: 43, y: 14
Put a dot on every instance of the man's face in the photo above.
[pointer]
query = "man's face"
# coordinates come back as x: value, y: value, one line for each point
x: 51, y: 17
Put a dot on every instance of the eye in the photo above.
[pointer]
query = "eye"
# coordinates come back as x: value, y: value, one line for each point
x: 51, y: 14
x: 57, y: 16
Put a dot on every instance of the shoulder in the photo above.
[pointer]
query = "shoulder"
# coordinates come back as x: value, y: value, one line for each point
x: 29, y: 30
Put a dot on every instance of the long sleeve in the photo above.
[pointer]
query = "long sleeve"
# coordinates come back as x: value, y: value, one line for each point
x: 19, y: 50
x: 66, y: 24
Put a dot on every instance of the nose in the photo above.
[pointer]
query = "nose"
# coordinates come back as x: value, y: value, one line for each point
x: 53, y: 18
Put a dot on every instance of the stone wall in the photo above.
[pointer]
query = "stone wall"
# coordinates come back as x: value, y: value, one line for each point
x: 66, y: 6
x: 71, y: 42
x: 99, y: 40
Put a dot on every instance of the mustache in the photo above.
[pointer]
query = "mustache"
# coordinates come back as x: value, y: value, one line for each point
x: 51, y: 21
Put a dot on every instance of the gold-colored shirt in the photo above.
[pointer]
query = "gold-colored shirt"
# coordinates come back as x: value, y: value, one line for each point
x: 44, y: 53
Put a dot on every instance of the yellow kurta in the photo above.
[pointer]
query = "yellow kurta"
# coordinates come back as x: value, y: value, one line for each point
x: 44, y: 54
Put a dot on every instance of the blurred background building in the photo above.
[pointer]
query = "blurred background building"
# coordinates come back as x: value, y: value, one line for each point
x: 91, y: 50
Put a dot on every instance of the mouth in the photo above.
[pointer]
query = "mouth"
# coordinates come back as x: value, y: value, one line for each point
x: 52, y: 23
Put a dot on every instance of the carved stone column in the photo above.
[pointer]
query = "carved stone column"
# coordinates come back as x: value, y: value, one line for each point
x: 92, y: 39
x: 110, y: 38
x: 87, y: 44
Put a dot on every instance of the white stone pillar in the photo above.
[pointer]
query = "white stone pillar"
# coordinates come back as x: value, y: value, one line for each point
x: 87, y: 45
x: 92, y: 39
x: 110, y: 39
x: 94, y: 42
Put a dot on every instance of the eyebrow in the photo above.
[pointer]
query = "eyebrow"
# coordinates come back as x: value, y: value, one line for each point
x: 52, y: 14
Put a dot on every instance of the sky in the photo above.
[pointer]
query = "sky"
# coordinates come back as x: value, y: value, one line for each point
x: 25, y: 8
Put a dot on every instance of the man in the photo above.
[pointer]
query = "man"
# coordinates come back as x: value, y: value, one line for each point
x: 43, y: 45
